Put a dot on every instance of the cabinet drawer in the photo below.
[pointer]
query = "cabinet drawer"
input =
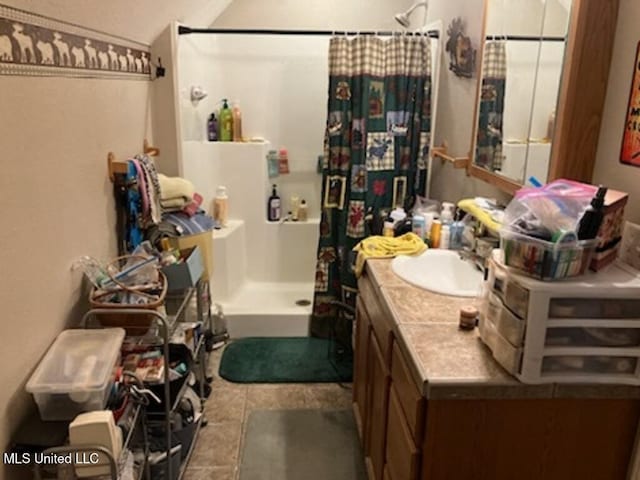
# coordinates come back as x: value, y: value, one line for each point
x: 402, y: 455
x: 381, y: 321
x: 410, y: 398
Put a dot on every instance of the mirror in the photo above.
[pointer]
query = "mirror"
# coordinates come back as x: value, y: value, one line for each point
x: 522, y: 63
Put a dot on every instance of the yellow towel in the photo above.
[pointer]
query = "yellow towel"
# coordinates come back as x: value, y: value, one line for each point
x: 386, y: 247
x: 469, y: 205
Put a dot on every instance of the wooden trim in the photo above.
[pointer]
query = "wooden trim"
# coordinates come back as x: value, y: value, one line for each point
x: 581, y: 98
x: 501, y: 182
x: 457, y: 162
x: 583, y: 89
x: 476, y: 106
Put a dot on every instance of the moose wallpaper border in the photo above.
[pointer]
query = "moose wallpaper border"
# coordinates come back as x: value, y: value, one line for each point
x: 35, y: 45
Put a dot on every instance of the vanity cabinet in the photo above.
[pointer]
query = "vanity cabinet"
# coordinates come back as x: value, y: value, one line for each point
x: 453, y: 427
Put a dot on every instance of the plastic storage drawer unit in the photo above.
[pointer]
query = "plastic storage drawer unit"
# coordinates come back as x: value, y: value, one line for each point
x: 76, y: 372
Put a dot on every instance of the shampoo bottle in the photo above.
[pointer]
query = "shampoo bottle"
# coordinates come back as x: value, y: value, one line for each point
x: 221, y: 206
x: 274, y: 206
x: 237, y: 122
x: 226, y: 122
x: 303, y: 211
x: 212, y: 128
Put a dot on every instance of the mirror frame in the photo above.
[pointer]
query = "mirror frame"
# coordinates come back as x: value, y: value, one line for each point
x: 583, y: 87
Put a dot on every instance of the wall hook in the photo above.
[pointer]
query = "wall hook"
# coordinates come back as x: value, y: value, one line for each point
x: 160, y: 70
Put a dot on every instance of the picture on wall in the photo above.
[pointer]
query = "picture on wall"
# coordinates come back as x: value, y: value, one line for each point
x: 630, y: 150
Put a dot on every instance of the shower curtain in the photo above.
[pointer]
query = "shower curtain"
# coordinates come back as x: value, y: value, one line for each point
x: 490, y: 130
x: 376, y: 150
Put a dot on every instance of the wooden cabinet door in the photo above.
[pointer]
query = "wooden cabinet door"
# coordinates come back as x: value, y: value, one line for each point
x: 379, y: 380
x: 403, y: 457
x: 360, y: 369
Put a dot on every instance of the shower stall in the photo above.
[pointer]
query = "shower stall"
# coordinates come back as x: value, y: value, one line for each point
x: 264, y: 272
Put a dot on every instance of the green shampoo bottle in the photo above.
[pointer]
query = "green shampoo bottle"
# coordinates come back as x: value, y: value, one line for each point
x: 226, y: 122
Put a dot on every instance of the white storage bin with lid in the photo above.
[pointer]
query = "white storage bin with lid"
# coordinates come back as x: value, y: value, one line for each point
x: 578, y: 330
x: 75, y: 375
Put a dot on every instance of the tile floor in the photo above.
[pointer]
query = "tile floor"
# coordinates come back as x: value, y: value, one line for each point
x: 218, y: 450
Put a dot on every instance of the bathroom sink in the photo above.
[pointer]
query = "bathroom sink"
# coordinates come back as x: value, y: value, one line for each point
x: 440, y: 271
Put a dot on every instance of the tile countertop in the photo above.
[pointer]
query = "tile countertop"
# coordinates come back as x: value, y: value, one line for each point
x: 452, y: 363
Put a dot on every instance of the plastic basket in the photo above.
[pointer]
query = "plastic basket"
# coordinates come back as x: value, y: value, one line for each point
x: 546, y: 260
x: 133, y: 324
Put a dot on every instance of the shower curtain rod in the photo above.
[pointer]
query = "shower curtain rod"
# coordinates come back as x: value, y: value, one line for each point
x: 182, y: 30
x: 524, y: 38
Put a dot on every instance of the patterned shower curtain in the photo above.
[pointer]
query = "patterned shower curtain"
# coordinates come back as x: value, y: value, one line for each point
x: 376, y: 150
x: 490, y: 131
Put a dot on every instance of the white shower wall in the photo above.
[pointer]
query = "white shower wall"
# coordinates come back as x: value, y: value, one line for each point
x: 281, y: 84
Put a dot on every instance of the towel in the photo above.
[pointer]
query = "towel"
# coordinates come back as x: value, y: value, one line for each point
x: 486, y: 214
x: 387, y: 247
x: 175, y: 187
x: 174, y: 204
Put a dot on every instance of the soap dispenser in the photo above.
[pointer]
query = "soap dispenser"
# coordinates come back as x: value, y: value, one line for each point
x: 226, y: 122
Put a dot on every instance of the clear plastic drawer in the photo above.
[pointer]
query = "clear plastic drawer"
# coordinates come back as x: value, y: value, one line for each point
x: 589, y: 365
x: 592, y: 337
x: 504, y: 320
x: 613, y: 308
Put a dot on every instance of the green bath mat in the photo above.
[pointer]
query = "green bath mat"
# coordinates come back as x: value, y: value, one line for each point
x: 284, y: 360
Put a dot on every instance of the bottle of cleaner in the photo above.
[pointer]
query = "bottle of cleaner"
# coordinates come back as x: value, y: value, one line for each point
x: 303, y: 211
x: 226, y: 122
x: 274, y: 206
x: 221, y: 206
x: 237, y: 122
x: 212, y: 128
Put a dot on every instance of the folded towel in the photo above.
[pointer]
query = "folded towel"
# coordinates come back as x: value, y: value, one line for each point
x: 174, y: 204
x: 175, y: 187
x: 387, y: 247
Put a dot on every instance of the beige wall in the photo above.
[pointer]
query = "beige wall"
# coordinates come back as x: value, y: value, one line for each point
x: 56, y: 205
x: 55, y: 200
x: 608, y: 170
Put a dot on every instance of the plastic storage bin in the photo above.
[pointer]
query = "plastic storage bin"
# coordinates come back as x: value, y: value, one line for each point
x: 75, y: 374
x: 578, y: 330
x: 546, y: 260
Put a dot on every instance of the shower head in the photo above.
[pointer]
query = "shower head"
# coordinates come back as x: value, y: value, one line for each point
x: 403, y: 18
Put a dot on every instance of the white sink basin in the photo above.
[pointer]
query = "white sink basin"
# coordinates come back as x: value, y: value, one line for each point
x: 440, y: 271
